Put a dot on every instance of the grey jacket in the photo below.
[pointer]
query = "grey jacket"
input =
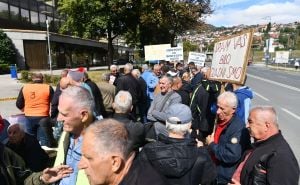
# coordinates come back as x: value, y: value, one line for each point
x: 157, y: 110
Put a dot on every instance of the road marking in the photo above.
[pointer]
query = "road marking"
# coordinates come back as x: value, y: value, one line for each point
x: 261, y: 96
x: 290, y: 113
x: 276, y: 83
x: 8, y: 99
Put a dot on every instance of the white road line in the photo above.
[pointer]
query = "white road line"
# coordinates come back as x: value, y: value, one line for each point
x: 276, y: 83
x: 290, y: 113
x: 261, y: 96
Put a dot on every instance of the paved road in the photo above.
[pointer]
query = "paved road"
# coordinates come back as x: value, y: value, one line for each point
x: 281, y: 90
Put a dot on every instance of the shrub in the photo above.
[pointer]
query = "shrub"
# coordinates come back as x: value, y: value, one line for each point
x: 25, y: 77
x: 4, y: 68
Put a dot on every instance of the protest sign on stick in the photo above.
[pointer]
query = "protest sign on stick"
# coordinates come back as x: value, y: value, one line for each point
x: 230, y: 58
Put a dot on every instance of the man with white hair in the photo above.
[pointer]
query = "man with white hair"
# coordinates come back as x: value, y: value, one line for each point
x: 230, y: 138
x: 114, y: 74
x: 122, y: 106
x: 177, y: 156
x: 128, y: 83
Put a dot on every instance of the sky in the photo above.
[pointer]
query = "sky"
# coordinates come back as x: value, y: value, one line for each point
x: 251, y: 12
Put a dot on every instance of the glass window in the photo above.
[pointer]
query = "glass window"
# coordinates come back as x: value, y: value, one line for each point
x: 24, y: 15
x: 14, y: 13
x: 43, y: 20
x: 33, y: 5
x: 24, y: 4
x: 34, y: 18
x: 15, y: 2
x: 4, y: 10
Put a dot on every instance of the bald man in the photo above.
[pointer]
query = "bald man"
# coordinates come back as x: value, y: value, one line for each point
x: 271, y: 159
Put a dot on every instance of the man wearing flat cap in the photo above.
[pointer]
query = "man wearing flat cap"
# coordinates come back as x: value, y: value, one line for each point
x: 176, y: 155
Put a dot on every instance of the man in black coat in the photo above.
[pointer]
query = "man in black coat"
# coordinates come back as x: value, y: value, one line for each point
x: 99, y: 106
x: 271, y: 159
x: 177, y: 156
x: 128, y: 83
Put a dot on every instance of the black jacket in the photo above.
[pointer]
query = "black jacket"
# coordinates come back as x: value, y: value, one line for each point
x: 142, y: 173
x: 282, y: 167
x: 180, y: 161
x: 198, y: 105
x: 30, y: 150
x: 99, y: 106
x: 136, y: 130
x: 129, y: 83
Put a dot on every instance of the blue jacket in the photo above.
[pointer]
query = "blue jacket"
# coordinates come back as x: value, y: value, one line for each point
x: 244, y: 95
x: 151, y: 81
x: 233, y: 141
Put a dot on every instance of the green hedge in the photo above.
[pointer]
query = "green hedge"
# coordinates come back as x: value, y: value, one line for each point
x: 4, y: 69
x: 52, y: 80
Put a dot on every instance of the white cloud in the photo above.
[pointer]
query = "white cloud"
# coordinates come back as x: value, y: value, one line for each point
x: 279, y: 12
x: 227, y: 2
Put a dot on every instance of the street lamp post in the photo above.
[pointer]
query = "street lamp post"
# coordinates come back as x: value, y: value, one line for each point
x: 49, y: 49
x: 269, y: 40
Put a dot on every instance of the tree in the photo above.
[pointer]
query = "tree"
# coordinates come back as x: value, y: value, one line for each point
x: 141, y: 22
x: 93, y: 19
x: 162, y: 20
x: 7, y: 49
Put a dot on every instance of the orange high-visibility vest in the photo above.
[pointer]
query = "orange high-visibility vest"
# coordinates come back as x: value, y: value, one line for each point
x: 37, y: 99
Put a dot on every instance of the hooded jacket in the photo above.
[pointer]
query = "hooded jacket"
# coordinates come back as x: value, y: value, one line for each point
x: 244, y: 95
x: 180, y: 161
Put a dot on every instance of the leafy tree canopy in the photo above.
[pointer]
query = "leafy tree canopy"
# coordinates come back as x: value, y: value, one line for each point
x: 7, y: 49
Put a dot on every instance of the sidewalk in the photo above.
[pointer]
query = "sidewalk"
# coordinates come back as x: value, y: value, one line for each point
x: 9, y: 91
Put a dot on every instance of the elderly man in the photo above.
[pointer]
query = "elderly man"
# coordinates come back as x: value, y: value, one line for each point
x: 25, y: 145
x: 161, y: 102
x: 34, y: 99
x: 122, y: 106
x: 230, y: 138
x: 129, y: 83
x: 75, y: 107
x: 271, y: 159
x: 143, y: 100
x: 114, y: 74
x: 152, y: 80
x: 177, y: 156
x: 108, y: 160
x: 108, y: 92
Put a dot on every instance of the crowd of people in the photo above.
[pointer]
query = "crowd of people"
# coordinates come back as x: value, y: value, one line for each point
x: 162, y: 125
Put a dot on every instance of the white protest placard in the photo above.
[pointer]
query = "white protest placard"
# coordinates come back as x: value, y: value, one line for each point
x: 197, y: 58
x: 173, y: 54
x: 282, y: 57
x: 230, y: 58
x: 156, y: 52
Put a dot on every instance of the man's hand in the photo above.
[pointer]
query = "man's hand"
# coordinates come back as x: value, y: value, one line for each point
x: 209, y: 139
x: 234, y: 182
x: 51, y: 175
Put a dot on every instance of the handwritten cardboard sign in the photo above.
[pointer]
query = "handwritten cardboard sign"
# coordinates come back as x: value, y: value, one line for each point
x: 230, y: 58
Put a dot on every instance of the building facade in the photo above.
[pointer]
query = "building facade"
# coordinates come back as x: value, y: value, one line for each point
x: 26, y: 21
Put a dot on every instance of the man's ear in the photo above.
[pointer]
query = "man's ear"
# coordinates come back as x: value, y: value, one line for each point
x: 116, y: 163
x: 84, y: 116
